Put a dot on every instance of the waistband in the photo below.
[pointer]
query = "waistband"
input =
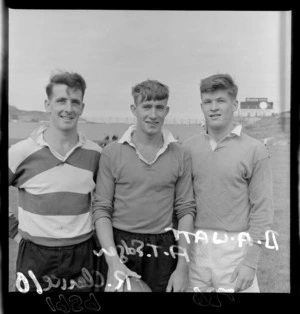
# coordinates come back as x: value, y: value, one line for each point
x: 57, y: 248
x: 145, y: 237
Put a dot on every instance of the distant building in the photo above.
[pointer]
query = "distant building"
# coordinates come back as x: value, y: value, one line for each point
x: 255, y: 107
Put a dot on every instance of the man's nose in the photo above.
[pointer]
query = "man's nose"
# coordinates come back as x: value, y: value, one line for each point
x: 153, y: 113
x: 214, y: 106
x: 68, y: 105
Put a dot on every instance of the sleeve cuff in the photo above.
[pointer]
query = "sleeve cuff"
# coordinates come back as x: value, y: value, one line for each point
x: 252, y: 256
x: 100, y: 208
x: 97, y: 215
x: 184, y: 211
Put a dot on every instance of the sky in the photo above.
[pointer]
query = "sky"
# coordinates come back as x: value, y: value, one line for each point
x: 116, y: 49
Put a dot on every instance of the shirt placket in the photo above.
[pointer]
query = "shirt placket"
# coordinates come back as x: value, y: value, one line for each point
x: 59, y: 156
x: 142, y: 157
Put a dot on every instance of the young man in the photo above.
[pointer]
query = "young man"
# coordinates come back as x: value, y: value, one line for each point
x: 55, y: 172
x: 233, y: 191
x: 145, y: 176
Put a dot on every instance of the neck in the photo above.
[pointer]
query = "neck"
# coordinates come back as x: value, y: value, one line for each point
x: 53, y: 136
x: 219, y: 134
x: 151, y: 140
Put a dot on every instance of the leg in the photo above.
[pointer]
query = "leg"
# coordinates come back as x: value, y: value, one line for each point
x: 35, y: 261
x: 200, y: 273
x: 77, y: 265
x: 158, y: 262
x: 227, y: 256
x: 146, y: 255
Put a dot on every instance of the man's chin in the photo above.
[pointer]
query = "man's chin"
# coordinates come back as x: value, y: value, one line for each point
x: 67, y: 127
x: 216, y: 125
x: 153, y: 131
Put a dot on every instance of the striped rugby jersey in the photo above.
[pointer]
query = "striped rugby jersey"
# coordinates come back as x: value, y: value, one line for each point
x: 54, y: 191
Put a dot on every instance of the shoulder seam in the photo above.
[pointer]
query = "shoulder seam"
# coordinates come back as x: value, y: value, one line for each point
x: 18, y: 148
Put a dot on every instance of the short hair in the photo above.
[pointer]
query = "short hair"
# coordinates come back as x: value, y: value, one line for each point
x: 150, y: 90
x: 219, y: 82
x: 72, y: 80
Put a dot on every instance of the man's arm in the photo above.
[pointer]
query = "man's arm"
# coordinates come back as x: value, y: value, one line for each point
x: 13, y: 222
x: 102, y: 212
x: 13, y: 226
x: 261, y: 216
x: 262, y: 209
x: 185, y: 209
x: 179, y: 279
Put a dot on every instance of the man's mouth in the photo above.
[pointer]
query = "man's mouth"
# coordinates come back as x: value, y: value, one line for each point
x: 67, y: 118
x: 152, y: 123
x: 216, y: 115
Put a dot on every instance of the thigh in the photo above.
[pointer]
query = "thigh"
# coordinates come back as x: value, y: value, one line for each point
x: 130, y: 249
x: 35, y: 263
x: 148, y: 255
x: 125, y: 247
x: 158, y: 262
x: 200, y: 272
x: 76, y: 266
x: 226, y: 257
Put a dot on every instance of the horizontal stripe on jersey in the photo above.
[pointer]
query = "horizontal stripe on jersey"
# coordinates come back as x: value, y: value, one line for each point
x: 60, y: 178
x: 43, y: 160
x: 54, y: 193
x: 54, y: 226
x: 60, y: 203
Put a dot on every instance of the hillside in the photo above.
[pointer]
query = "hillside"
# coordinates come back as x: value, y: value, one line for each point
x: 277, y: 127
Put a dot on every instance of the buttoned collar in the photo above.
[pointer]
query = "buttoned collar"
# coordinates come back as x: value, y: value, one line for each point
x: 38, y: 136
x: 167, y: 139
x: 127, y: 136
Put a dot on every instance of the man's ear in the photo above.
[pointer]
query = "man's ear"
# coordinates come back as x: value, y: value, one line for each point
x: 235, y: 105
x: 201, y: 105
x: 83, y: 105
x: 133, y: 109
x: 47, y: 105
x: 168, y: 109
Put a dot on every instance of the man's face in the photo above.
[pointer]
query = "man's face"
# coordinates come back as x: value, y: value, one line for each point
x: 150, y: 115
x: 218, y: 108
x: 65, y: 106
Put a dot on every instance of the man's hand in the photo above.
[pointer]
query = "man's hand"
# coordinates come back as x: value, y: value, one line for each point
x: 178, y: 281
x: 244, y: 276
x: 17, y: 238
x: 116, y: 276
